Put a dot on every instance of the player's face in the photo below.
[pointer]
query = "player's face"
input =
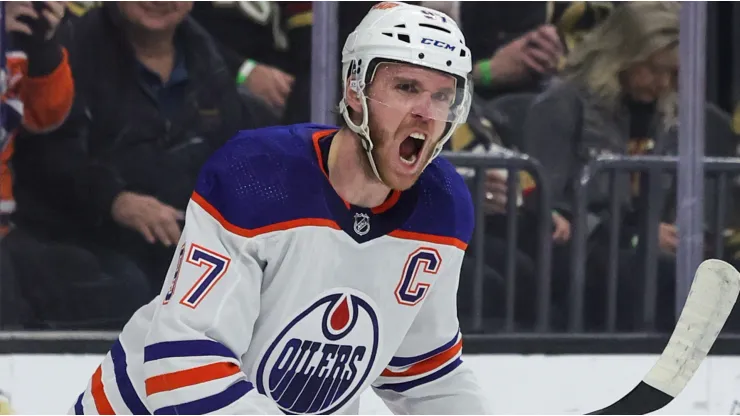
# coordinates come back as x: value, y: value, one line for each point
x: 408, y: 111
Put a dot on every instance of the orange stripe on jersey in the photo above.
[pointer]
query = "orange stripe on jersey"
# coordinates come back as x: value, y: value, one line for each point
x: 47, y: 100
x: 6, y: 175
x: 429, y: 238
x: 190, y: 377
x: 385, y: 206
x: 428, y: 365
x: 388, y: 204
x: 246, y: 232
x: 99, y: 397
x: 316, y: 137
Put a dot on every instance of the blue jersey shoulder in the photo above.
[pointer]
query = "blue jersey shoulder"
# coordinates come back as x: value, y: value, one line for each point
x: 445, y: 207
x: 265, y: 176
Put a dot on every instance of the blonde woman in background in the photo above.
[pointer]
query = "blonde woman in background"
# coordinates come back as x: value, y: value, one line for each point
x: 617, y: 96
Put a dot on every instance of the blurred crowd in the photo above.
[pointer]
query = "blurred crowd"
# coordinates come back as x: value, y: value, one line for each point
x: 110, y: 110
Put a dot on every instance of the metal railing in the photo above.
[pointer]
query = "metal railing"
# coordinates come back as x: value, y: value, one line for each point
x: 513, y: 162
x: 719, y: 168
x: 652, y: 165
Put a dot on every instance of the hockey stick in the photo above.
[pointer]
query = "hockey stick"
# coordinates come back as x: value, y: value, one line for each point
x: 711, y: 299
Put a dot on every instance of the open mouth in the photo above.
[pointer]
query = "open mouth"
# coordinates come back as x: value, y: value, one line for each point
x: 411, y: 148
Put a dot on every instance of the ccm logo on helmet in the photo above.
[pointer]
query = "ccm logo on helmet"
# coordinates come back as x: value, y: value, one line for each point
x: 437, y: 43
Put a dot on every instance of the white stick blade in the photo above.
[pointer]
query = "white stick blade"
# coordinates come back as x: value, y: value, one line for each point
x: 711, y: 299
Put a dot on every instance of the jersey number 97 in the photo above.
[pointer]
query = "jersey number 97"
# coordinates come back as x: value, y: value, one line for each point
x: 215, y: 266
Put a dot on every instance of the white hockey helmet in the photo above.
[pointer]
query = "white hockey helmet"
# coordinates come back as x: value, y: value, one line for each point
x: 394, y: 32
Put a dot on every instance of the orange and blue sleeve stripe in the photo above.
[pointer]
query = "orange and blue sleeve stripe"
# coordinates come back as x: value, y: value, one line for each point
x: 123, y: 384
x: 405, y: 373
x: 224, y: 368
x: 125, y: 387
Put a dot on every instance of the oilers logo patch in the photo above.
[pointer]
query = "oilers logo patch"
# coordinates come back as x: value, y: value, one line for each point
x: 320, y: 360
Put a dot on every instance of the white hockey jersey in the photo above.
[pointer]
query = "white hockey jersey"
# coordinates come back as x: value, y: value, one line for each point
x: 283, y: 298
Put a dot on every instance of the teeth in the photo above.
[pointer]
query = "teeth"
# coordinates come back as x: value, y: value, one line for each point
x: 409, y: 161
x: 419, y: 136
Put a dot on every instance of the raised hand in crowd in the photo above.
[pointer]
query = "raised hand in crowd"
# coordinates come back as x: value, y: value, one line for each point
x: 271, y: 84
x: 37, y: 19
x: 543, y: 49
x: 150, y: 217
x: 536, y: 52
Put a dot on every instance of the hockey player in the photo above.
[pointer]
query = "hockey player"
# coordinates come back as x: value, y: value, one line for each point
x: 316, y: 262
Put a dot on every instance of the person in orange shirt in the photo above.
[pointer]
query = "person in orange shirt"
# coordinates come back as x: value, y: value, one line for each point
x: 37, y: 85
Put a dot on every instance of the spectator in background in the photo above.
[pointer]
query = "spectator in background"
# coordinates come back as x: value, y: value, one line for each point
x: 518, y: 46
x: 39, y: 89
x: 618, y: 96
x: 252, y: 42
x: 490, y: 131
x: 101, y: 199
x: 37, y: 96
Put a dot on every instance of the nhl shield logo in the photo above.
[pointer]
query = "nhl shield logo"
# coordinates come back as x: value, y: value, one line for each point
x: 362, y: 224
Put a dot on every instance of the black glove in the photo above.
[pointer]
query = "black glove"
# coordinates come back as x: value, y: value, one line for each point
x: 39, y: 26
x: 44, y: 55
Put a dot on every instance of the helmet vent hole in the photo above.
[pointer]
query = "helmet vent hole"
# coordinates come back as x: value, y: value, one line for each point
x: 404, y: 37
x: 390, y: 35
x: 427, y: 25
x: 402, y: 26
x: 462, y: 53
x: 449, y: 63
x: 421, y: 56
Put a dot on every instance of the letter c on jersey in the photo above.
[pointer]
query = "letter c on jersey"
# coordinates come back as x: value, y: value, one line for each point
x: 409, y: 291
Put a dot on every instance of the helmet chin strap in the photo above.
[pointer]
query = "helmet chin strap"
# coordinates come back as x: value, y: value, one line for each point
x: 362, y: 130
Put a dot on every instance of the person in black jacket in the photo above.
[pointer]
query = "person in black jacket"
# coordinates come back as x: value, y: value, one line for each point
x: 100, y: 201
x: 252, y: 42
